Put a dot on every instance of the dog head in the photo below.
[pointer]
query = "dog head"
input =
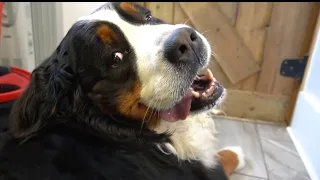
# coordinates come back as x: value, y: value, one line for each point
x: 122, y: 61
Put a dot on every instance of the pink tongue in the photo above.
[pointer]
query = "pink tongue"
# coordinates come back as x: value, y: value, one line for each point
x: 180, y: 111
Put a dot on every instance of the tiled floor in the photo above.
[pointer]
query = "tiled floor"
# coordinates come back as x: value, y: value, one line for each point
x: 270, y: 153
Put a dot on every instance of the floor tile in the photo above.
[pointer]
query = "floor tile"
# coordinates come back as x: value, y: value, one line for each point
x: 244, y: 134
x: 283, y: 161
x: 274, y: 132
x: 243, y: 177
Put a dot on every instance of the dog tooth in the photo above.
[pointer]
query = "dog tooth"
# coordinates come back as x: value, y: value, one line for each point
x: 210, y: 75
x: 214, y: 80
x: 195, y: 94
x: 212, y: 83
x: 210, y: 90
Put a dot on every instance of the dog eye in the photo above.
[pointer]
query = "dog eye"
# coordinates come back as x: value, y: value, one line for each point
x: 117, y: 59
x: 149, y: 17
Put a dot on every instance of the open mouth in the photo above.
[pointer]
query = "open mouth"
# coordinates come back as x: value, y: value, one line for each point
x: 202, y: 94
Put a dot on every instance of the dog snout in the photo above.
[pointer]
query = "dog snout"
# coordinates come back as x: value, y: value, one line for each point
x: 182, y: 45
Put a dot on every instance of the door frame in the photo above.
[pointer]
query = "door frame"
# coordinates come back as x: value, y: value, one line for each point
x: 305, y: 113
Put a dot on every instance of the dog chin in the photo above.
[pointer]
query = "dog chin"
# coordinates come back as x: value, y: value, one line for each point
x: 204, y: 93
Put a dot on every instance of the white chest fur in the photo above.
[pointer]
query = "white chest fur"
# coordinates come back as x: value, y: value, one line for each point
x: 192, y: 139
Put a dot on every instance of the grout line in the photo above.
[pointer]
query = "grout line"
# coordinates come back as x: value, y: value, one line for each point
x: 259, y: 141
x: 263, y: 154
x: 250, y: 176
x: 279, y: 140
x: 282, y: 147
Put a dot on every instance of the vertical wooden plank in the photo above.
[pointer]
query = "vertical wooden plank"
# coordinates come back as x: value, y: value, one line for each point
x: 285, y: 37
x: 161, y: 10
x: 252, y: 24
x: 233, y: 56
x: 308, y: 45
x: 301, y: 19
x: 229, y: 9
x: 181, y: 17
x: 312, y: 30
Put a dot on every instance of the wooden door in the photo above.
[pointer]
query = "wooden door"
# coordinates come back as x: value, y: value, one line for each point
x: 249, y: 42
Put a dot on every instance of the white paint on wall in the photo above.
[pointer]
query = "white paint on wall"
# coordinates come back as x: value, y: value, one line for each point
x: 71, y: 11
x: 16, y: 45
x: 305, y: 127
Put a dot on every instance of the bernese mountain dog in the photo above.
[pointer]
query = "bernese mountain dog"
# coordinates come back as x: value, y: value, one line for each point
x: 121, y: 97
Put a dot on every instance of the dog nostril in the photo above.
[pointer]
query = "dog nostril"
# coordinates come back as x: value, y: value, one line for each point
x: 183, y: 48
x: 182, y: 45
x: 193, y: 36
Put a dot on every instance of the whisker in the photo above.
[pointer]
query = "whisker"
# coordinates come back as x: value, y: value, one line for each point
x: 158, y: 111
x: 159, y: 101
x: 205, y: 32
x: 185, y: 22
x: 144, y: 117
x: 153, y: 110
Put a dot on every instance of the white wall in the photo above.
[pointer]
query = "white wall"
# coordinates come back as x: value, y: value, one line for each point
x: 21, y: 34
x: 16, y: 45
x: 305, y: 127
x: 71, y: 11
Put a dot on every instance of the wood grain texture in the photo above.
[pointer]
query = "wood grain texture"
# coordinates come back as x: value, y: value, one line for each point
x: 181, y: 17
x: 234, y: 57
x: 161, y: 10
x: 307, y: 49
x: 229, y: 9
x: 285, y: 38
x: 252, y: 24
x: 314, y: 17
x: 255, y: 106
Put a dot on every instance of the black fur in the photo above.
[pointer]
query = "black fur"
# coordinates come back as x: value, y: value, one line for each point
x: 66, y: 152
x: 58, y: 130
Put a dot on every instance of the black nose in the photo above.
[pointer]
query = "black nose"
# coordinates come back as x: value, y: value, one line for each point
x: 182, y: 45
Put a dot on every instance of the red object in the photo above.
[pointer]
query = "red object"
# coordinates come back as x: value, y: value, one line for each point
x: 1, y: 6
x: 18, y: 77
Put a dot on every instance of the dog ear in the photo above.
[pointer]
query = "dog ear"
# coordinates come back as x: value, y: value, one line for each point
x: 46, y: 94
